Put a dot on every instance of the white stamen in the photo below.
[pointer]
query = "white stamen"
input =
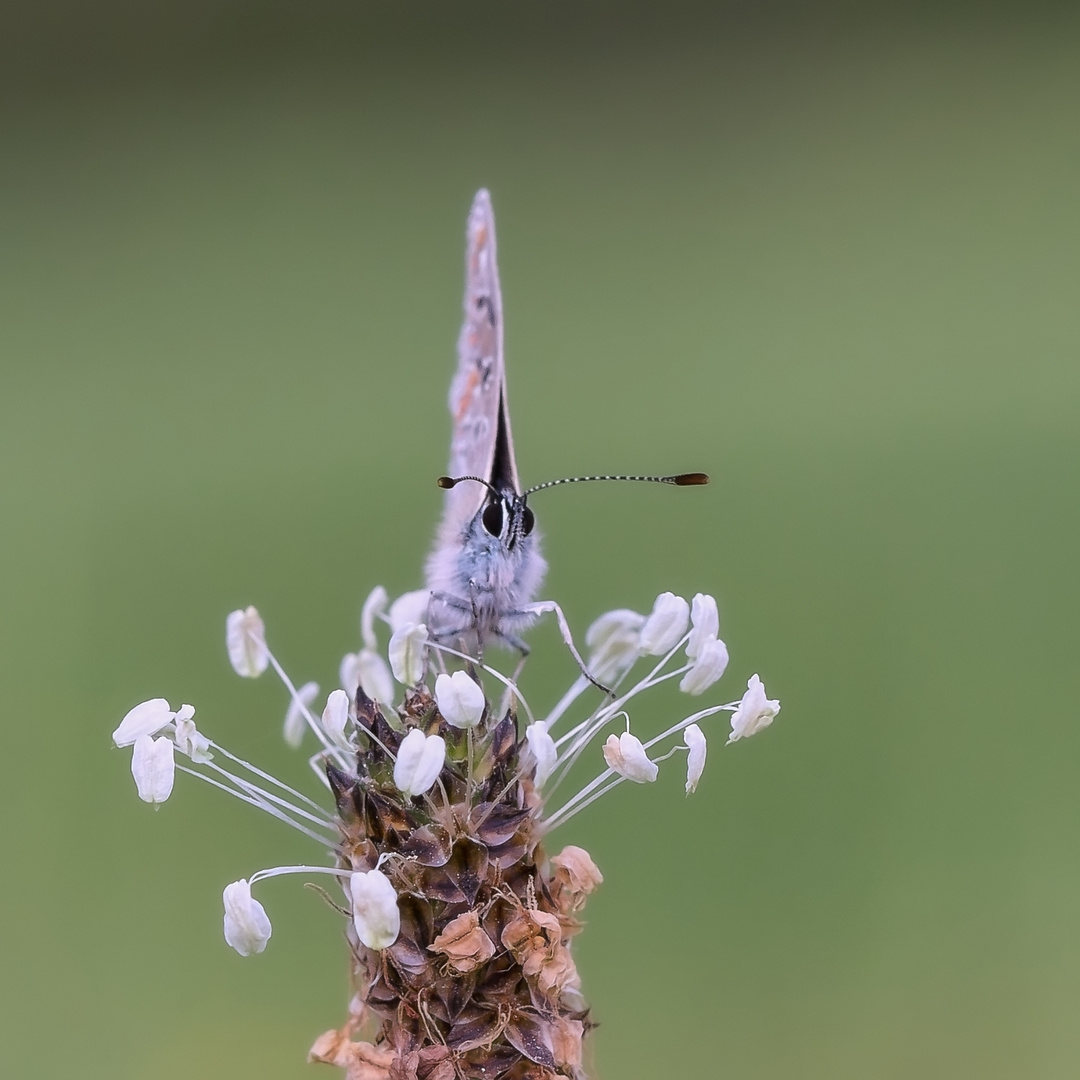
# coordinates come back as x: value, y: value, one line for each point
x: 460, y: 699
x: 410, y: 607
x: 694, y: 738
x: 705, y: 623
x: 374, y: 677
x: 340, y: 758
x: 615, y: 641
x: 755, y: 712
x: 666, y: 625
x: 374, y: 606
x: 153, y: 767
x: 247, y: 929
x: 245, y: 637
x: 408, y: 653
x: 375, y: 909
x: 420, y: 759
x: 146, y: 718
x: 710, y: 663
x: 626, y: 756
x: 508, y: 683
x: 260, y: 803
x: 334, y: 718
x: 189, y: 740
x: 544, y: 752
x: 296, y: 721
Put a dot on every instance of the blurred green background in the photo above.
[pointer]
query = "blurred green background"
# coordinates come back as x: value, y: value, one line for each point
x: 829, y: 254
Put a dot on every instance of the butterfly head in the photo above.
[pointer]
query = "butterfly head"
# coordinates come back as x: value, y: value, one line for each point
x: 505, y: 516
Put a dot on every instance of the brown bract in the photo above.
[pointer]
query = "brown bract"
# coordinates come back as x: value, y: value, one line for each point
x: 535, y: 939
x: 480, y: 982
x: 361, y: 1060
x: 464, y: 943
x: 575, y: 876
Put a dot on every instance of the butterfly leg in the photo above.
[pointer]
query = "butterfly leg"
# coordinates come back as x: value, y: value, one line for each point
x: 542, y: 608
x: 463, y: 607
x: 454, y: 602
x: 476, y: 622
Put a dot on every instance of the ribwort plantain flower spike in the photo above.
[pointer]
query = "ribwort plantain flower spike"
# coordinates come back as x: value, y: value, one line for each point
x: 441, y: 806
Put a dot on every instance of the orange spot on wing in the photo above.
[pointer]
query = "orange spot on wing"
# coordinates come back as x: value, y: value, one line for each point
x: 479, y: 243
x: 467, y: 395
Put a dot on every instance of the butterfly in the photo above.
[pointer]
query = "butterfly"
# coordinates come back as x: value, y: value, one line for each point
x: 486, y: 568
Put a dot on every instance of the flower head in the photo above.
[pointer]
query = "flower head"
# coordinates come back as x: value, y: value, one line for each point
x: 439, y: 819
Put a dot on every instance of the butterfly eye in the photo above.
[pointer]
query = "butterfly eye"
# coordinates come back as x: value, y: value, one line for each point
x: 528, y: 520
x: 493, y: 518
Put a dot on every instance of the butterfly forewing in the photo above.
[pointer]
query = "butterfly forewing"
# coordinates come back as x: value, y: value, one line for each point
x: 481, y: 444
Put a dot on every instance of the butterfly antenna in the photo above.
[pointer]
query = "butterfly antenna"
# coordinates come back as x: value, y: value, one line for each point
x: 688, y: 479
x: 447, y: 482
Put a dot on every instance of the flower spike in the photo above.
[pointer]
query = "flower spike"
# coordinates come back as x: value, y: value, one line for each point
x: 439, y: 820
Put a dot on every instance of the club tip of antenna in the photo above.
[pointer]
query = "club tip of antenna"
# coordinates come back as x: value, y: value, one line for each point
x: 446, y: 482
x: 690, y: 479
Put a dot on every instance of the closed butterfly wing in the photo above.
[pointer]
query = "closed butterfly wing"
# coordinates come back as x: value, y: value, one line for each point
x: 486, y: 563
x: 481, y: 444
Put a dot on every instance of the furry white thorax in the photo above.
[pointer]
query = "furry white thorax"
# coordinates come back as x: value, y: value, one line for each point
x: 480, y: 583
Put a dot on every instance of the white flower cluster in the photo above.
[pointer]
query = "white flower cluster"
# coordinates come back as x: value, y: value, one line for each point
x: 617, y: 641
